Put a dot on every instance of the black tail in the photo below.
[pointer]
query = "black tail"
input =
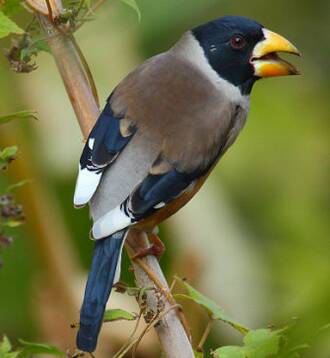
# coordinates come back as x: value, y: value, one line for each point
x: 99, y: 284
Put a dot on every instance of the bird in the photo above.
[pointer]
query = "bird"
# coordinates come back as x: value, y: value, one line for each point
x: 162, y: 131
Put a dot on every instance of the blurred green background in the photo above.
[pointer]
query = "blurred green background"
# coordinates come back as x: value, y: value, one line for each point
x: 255, y: 239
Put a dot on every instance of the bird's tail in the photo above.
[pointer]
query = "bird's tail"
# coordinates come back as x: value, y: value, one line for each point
x: 104, y: 271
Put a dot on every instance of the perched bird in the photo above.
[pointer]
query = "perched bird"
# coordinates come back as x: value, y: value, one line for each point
x: 162, y: 131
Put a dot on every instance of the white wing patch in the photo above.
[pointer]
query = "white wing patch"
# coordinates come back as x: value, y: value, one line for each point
x: 91, y: 142
x: 86, y: 185
x: 113, y: 221
x: 159, y: 205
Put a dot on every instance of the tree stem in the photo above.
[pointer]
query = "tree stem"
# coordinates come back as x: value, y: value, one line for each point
x: 72, y: 68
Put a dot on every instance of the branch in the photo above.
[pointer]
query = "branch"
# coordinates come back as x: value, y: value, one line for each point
x: 171, y: 333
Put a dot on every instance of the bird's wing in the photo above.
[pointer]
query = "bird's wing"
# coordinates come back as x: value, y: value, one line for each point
x: 183, y: 124
x: 107, y: 139
x: 166, y: 180
x: 178, y: 123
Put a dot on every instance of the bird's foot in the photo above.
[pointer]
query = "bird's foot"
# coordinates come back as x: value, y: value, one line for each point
x: 157, y: 248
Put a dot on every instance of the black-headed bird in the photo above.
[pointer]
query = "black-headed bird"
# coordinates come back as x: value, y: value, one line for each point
x: 162, y: 131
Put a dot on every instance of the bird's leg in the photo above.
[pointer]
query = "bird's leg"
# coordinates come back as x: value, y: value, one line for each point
x: 157, y: 247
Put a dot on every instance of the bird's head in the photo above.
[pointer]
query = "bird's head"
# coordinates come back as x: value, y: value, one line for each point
x: 241, y: 50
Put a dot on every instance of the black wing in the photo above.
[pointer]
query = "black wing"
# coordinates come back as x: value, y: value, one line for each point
x: 103, y: 146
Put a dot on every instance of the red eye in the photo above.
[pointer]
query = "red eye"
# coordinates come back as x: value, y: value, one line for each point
x: 237, y: 42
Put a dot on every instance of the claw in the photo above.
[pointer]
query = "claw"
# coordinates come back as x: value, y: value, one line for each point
x: 156, y: 249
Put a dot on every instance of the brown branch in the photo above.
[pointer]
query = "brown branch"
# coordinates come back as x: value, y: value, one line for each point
x: 171, y: 333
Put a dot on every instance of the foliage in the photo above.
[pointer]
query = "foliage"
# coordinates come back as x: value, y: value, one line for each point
x: 11, y: 213
x: 21, y: 114
x: 22, y: 53
x: 198, y: 354
x: 133, y: 5
x: 7, y: 155
x: 24, y: 49
x: 261, y: 343
x: 6, y: 349
x: 258, y: 344
x: 11, y: 7
x: 213, y: 310
x: 7, y: 26
x: 11, y: 216
x: 27, y: 349
x: 118, y: 314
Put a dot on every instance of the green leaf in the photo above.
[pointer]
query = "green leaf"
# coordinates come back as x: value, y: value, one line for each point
x: 213, y: 310
x: 8, y: 153
x: 229, y: 352
x: 5, y: 346
x: 5, y: 349
x: 118, y: 314
x: 133, y: 5
x: 11, y: 7
x: 323, y: 328
x: 21, y: 114
x: 260, y: 343
x: 294, y: 352
x: 263, y: 342
x: 8, y: 26
x: 198, y: 354
x: 6, y: 156
x: 12, y: 223
x: 12, y: 354
x: 41, y: 45
x: 18, y: 185
x: 29, y: 348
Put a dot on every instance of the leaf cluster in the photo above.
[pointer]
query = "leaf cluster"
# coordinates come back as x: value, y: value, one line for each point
x: 11, y: 213
x: 27, y: 349
x: 29, y: 42
x: 258, y: 343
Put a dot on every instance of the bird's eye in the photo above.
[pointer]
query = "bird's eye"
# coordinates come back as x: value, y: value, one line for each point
x: 237, y: 42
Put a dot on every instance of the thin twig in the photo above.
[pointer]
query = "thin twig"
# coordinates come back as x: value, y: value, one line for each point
x: 87, y: 70
x: 131, y: 337
x: 81, y: 4
x: 205, y: 335
x: 50, y: 11
x: 135, y: 347
x: 173, y: 284
x: 30, y: 24
x: 146, y: 330
x: 89, y: 12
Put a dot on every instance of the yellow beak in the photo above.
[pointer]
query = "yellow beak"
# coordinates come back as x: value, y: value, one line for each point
x: 265, y: 60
